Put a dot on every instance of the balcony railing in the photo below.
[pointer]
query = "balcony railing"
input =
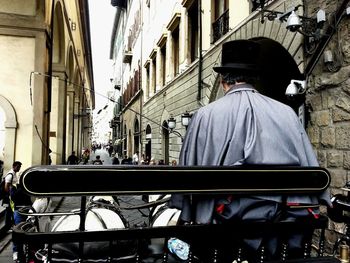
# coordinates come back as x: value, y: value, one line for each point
x: 221, y: 26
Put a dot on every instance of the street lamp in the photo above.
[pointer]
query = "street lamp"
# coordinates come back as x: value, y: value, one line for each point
x: 185, y: 118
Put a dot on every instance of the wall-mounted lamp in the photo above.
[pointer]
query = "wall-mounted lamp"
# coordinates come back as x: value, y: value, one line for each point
x: 296, y: 87
x: 307, y: 26
x: 331, y: 61
x: 311, y: 28
x: 185, y: 119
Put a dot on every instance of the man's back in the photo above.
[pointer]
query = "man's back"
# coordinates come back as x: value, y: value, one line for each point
x: 245, y: 127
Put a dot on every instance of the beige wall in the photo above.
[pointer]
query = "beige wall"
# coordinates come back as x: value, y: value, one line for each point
x: 24, y: 37
x: 14, y: 82
x: 20, y: 7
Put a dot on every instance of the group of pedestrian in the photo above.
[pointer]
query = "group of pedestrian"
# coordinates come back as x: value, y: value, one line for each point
x: 74, y: 159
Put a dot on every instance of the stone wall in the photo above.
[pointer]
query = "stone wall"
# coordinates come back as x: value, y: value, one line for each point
x: 328, y: 106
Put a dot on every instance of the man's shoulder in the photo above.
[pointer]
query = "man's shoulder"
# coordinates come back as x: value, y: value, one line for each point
x: 10, y: 173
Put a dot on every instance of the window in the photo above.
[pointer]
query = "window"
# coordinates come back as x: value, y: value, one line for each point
x: 153, y: 79
x: 176, y: 46
x: 193, y: 35
x: 163, y: 65
x: 221, y: 19
x: 147, y: 80
x: 174, y: 28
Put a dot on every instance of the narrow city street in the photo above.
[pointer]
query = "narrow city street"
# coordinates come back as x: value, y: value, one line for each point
x: 134, y: 217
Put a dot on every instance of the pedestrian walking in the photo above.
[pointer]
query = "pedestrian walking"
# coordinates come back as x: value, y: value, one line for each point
x: 14, y: 200
x: 11, y: 182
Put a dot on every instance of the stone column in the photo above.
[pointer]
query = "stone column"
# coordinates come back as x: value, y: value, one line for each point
x: 69, y: 120
x: 76, y: 126
x: 58, y: 118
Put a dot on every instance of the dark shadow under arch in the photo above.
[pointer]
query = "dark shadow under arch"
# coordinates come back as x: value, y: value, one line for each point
x: 59, y: 36
x: 278, y: 67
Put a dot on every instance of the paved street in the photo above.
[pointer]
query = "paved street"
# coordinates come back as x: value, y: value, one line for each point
x: 134, y: 217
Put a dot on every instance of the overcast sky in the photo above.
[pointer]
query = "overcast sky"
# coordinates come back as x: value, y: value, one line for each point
x: 101, y: 23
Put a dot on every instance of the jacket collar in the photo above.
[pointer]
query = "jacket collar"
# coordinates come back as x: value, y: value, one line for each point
x: 241, y: 87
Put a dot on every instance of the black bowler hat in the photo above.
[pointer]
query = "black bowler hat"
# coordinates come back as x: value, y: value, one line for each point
x: 241, y: 55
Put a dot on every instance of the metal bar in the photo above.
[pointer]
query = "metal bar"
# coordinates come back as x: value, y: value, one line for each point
x: 127, y: 179
x: 240, y: 228
x: 82, y: 225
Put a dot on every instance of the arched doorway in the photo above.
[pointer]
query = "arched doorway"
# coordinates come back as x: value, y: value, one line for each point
x: 125, y: 142
x: 165, y: 142
x: 129, y: 151
x: 278, y: 68
x: 148, y: 147
x: 136, y: 136
x: 8, y: 128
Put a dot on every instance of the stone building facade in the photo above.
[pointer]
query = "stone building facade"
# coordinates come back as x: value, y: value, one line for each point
x: 46, y: 80
x: 176, y: 82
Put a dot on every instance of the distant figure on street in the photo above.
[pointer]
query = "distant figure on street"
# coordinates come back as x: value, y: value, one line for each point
x: 72, y: 159
x: 110, y: 150
x: 115, y: 160
x: 98, y: 160
x: 50, y: 160
x: 86, y: 156
x: 135, y: 158
x: 153, y: 162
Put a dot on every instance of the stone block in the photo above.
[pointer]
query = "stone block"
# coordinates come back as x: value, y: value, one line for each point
x: 346, y: 158
x: 314, y: 135
x: 340, y: 115
x: 342, y: 137
x: 339, y: 177
x: 323, y: 118
x: 328, y: 138
x: 343, y: 102
x: 315, y: 101
x: 321, y: 157
x: 334, y: 159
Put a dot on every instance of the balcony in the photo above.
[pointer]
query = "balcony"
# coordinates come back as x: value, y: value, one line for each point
x: 127, y: 56
x: 221, y: 26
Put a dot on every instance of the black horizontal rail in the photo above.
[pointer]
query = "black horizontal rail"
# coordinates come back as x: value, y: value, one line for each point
x: 71, y: 180
x: 246, y: 229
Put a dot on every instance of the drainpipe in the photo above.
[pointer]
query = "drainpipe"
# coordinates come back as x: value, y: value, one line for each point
x: 200, y: 61
x: 325, y: 40
x: 49, y: 79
